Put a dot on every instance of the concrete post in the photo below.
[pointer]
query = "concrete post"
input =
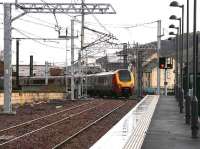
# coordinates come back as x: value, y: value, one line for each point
x: 72, y: 59
x: 46, y: 73
x: 7, y: 59
x: 66, y: 71
x: 158, y: 53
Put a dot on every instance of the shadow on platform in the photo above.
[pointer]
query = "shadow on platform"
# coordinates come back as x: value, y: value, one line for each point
x: 167, y: 129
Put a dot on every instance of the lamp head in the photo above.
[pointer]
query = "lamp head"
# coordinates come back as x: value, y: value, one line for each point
x: 170, y: 38
x: 172, y: 26
x: 171, y: 33
x: 173, y: 17
x: 174, y: 4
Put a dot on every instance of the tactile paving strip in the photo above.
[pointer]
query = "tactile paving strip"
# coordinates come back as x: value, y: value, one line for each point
x: 130, y: 131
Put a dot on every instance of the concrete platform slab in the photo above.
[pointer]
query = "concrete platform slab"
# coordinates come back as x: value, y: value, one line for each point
x: 168, y: 129
x: 130, y: 130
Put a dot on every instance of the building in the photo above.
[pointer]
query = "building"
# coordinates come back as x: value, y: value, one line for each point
x: 88, y: 66
x: 110, y: 63
x: 149, y: 79
x: 24, y: 70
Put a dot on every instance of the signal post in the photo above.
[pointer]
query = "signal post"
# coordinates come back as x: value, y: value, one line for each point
x: 165, y: 63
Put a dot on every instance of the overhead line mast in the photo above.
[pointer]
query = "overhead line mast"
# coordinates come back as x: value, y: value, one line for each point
x: 69, y: 8
x: 80, y: 86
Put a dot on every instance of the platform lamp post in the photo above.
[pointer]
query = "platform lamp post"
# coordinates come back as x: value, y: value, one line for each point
x: 177, y: 56
x: 194, y: 101
x: 180, y: 88
x: 187, y: 97
x: 176, y: 4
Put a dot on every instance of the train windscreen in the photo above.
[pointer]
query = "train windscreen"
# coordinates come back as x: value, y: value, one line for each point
x: 124, y: 75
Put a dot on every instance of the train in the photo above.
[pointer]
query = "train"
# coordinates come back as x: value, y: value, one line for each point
x: 114, y: 83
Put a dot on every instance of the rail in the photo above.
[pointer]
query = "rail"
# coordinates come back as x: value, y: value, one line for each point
x: 86, y: 127
x: 43, y: 117
x: 49, y: 125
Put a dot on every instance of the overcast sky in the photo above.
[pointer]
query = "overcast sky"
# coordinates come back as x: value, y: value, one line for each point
x: 129, y: 13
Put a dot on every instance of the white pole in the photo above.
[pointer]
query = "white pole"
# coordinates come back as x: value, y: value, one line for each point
x: 7, y: 59
x: 72, y: 59
x: 81, y: 52
x: 86, y: 74
x: 158, y: 53
x: 66, y: 81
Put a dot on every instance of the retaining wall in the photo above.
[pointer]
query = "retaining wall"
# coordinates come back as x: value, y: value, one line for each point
x: 22, y: 98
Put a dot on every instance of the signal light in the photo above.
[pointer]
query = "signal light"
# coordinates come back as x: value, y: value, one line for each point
x: 162, y: 66
x: 162, y: 61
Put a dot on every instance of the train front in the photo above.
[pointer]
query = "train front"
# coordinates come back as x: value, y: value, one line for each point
x: 124, y: 83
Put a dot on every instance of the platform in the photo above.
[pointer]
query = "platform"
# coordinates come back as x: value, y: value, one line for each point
x: 130, y: 131
x: 168, y: 129
x: 155, y: 123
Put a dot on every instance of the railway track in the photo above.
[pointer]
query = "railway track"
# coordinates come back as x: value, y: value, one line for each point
x: 31, y: 111
x: 54, y: 130
x: 34, y: 125
x: 87, y: 127
x: 43, y: 117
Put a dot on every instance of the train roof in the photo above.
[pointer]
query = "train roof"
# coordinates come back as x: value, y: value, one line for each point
x: 76, y: 75
x: 104, y: 73
x: 107, y: 73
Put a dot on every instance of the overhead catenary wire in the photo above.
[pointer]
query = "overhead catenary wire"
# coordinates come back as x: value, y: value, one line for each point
x: 131, y: 26
x: 36, y: 23
x: 24, y: 34
x: 39, y: 19
x: 97, y: 21
x: 128, y: 27
x: 108, y: 34
x: 36, y: 37
x: 25, y: 20
x: 58, y: 27
x: 115, y: 25
x: 122, y: 26
x: 43, y: 23
x: 119, y: 25
x: 100, y: 23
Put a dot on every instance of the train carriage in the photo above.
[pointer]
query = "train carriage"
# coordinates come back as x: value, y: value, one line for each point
x: 116, y: 83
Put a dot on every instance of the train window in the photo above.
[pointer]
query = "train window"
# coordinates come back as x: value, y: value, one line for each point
x: 104, y: 80
x: 50, y: 81
x: 124, y: 75
x: 100, y: 80
x: 38, y: 81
